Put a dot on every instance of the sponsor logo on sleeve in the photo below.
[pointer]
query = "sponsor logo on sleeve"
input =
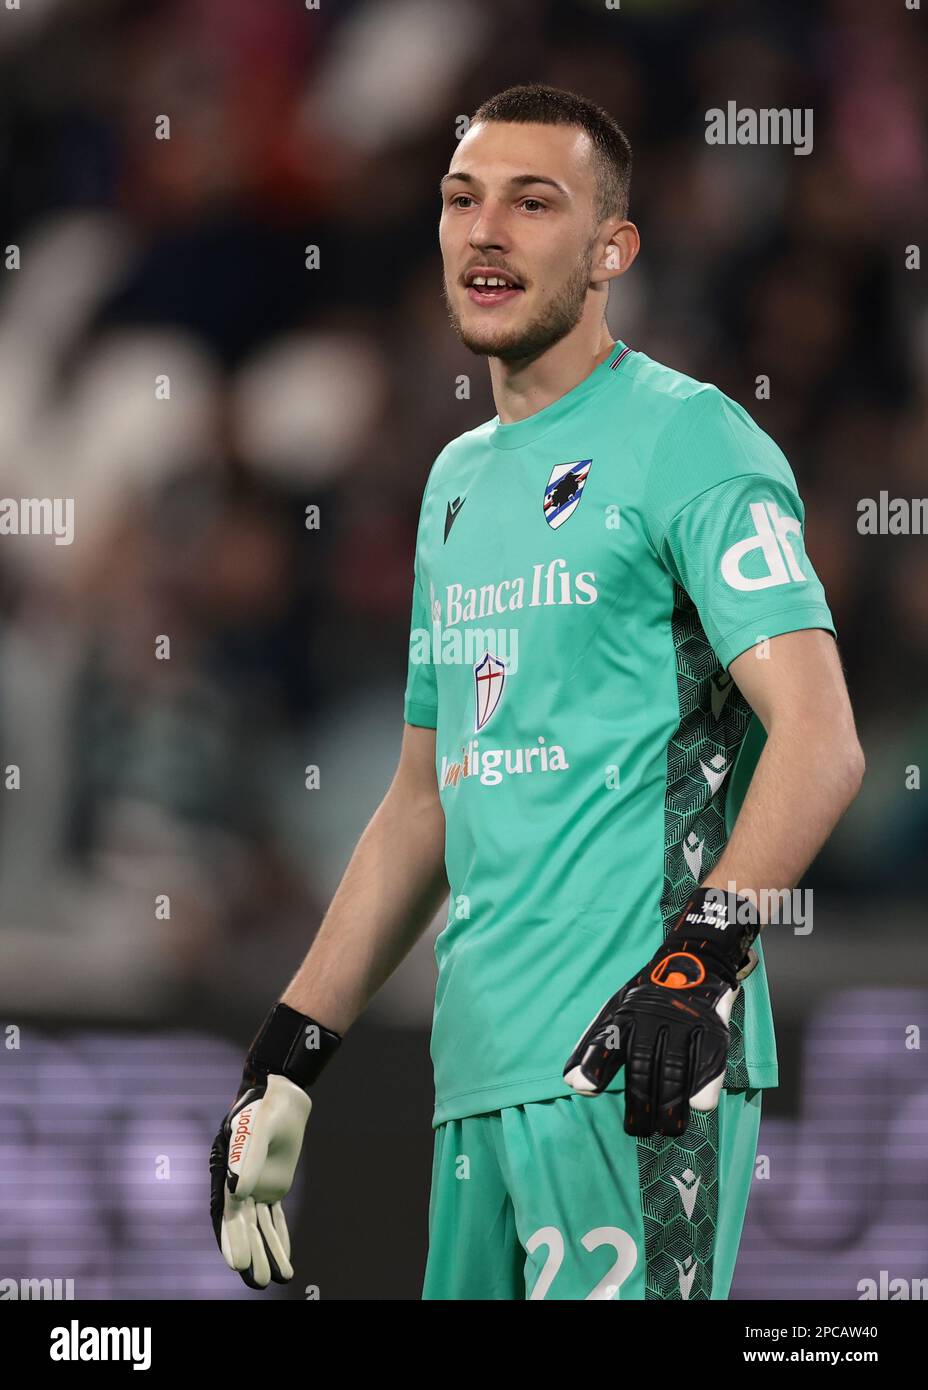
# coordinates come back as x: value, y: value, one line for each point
x: 772, y: 538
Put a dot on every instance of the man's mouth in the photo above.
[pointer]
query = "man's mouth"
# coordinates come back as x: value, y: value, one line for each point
x: 491, y: 289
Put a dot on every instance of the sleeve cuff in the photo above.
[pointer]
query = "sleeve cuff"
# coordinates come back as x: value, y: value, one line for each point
x: 426, y: 716
x: 762, y: 626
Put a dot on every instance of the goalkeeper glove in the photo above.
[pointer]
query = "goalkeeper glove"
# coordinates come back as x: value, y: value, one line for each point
x: 255, y: 1153
x: 669, y: 1024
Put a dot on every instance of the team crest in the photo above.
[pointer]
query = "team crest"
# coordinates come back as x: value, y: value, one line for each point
x: 564, y: 490
x: 489, y: 679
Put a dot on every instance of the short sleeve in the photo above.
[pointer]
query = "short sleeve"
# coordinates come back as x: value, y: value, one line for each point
x: 727, y: 521
x: 421, y: 699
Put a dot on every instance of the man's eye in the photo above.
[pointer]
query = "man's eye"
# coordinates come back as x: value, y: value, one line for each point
x: 536, y: 202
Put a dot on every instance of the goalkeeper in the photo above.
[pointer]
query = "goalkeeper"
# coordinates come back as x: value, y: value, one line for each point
x: 637, y: 727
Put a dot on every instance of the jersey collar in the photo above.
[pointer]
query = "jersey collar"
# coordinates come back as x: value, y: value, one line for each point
x: 530, y: 430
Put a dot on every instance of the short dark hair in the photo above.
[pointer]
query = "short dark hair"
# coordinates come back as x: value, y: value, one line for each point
x: 534, y: 103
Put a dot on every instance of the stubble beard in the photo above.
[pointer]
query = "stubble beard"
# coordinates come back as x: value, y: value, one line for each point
x: 553, y: 322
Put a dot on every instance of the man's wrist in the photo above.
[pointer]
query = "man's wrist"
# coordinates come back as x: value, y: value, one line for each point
x: 290, y: 1044
x: 721, y: 922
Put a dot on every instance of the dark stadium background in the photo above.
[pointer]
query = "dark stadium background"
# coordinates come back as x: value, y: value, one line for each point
x: 337, y: 387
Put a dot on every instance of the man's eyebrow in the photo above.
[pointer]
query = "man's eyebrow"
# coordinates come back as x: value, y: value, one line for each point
x: 517, y: 181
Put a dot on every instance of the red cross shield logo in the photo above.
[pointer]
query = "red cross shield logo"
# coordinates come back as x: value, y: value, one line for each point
x: 489, y: 679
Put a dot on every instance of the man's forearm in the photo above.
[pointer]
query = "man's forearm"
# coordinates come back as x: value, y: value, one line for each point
x: 804, y: 782
x: 390, y: 891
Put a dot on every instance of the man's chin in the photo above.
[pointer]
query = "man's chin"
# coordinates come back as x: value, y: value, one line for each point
x: 483, y: 346
x: 491, y: 343
x: 515, y: 343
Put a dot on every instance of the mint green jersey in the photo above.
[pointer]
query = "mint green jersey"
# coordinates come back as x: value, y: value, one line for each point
x: 583, y: 579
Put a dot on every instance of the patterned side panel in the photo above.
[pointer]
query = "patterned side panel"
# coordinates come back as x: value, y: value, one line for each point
x: 679, y: 1203
x: 714, y: 717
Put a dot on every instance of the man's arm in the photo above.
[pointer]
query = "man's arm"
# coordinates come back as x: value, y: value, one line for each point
x: 809, y: 771
x: 389, y: 893
x: 668, y: 1026
x: 393, y: 886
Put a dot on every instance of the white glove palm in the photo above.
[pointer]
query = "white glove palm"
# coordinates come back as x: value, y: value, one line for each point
x: 253, y: 1161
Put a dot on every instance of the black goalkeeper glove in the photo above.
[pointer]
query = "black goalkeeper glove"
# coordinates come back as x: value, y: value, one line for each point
x: 255, y: 1153
x: 669, y: 1025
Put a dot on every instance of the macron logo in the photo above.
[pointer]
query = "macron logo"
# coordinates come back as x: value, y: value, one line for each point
x: 771, y: 537
x: 451, y: 514
x: 688, y: 1187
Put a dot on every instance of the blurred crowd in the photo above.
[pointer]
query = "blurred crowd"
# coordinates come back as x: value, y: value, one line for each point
x: 172, y: 360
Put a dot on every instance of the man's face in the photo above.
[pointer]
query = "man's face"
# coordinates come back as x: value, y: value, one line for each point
x: 539, y: 232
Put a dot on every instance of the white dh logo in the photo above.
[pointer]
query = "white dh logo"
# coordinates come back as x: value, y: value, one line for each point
x: 771, y: 537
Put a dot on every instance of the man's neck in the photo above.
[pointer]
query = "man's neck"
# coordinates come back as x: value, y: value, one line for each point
x: 522, y: 390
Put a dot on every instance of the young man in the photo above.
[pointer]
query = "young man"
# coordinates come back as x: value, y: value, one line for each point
x: 611, y: 599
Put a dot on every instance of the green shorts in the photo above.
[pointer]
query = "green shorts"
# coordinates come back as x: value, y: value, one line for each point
x: 554, y: 1200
